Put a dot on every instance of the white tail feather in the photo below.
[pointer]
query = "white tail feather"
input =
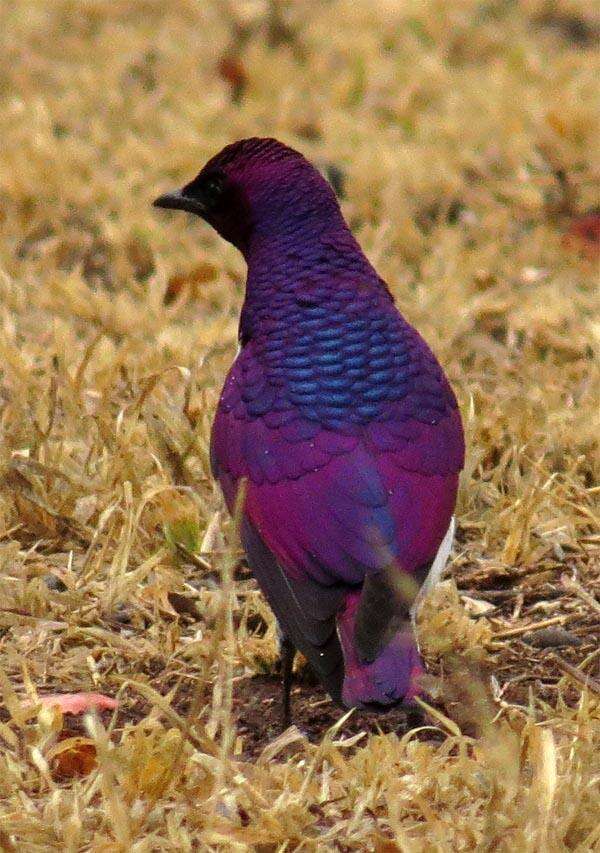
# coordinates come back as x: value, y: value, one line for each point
x: 437, y: 567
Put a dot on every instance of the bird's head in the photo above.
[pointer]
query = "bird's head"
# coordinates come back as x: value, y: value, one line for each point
x: 257, y: 187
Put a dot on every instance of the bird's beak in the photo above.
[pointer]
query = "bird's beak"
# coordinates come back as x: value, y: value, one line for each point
x: 176, y: 200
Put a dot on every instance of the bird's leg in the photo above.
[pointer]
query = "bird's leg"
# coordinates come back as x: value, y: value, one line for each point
x: 288, y: 653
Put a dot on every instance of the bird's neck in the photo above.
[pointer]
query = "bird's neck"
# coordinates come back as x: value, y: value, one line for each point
x: 290, y: 271
x: 305, y: 264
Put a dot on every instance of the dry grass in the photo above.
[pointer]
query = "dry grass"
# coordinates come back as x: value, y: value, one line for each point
x: 467, y: 133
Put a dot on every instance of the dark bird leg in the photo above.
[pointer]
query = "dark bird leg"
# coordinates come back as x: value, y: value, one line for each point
x: 288, y: 653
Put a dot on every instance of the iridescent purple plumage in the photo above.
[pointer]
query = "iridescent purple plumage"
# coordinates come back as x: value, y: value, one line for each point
x: 338, y: 416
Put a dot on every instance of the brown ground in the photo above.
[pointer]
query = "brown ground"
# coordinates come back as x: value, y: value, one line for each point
x: 257, y: 709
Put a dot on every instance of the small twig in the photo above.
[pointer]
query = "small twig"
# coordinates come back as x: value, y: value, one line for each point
x: 34, y: 620
x: 577, y: 675
x: 53, y: 395
x: 445, y: 721
x: 194, y: 559
x: 574, y: 586
x: 518, y: 607
x: 535, y: 626
x: 6, y: 533
x: 87, y: 355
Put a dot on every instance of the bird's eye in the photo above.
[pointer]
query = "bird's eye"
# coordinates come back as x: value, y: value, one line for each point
x: 212, y: 190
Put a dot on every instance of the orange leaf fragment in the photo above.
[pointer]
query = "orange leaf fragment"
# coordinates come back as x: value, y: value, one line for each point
x: 189, y: 283
x: 584, y: 233
x: 231, y: 69
x: 74, y: 756
x: 78, y: 703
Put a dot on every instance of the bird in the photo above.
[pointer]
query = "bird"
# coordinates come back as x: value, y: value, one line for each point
x: 337, y: 422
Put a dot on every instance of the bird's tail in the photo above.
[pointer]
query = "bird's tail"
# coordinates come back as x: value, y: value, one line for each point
x: 376, y: 627
x: 391, y: 677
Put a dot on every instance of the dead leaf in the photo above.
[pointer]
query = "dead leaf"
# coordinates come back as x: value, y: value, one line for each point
x: 231, y: 70
x: 584, y: 234
x: 188, y: 283
x: 75, y: 756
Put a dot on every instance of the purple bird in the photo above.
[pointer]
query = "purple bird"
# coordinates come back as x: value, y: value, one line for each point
x: 339, y: 419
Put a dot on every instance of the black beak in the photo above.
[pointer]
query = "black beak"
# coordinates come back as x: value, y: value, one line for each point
x: 176, y: 200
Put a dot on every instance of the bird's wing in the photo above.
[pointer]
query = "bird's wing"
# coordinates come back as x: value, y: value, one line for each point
x: 305, y: 611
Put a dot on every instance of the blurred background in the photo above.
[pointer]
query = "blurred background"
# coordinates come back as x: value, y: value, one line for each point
x: 462, y: 139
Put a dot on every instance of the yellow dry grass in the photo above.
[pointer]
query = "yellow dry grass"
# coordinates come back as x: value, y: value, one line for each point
x: 451, y: 120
